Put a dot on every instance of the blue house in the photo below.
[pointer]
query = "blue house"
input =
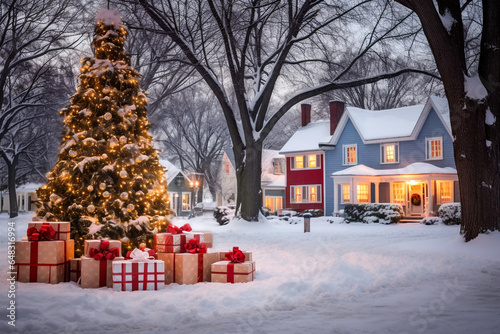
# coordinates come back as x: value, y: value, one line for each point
x: 402, y: 155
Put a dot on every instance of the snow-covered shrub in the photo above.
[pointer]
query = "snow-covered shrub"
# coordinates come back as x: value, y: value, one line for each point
x: 450, y: 213
x: 383, y: 213
x: 313, y: 212
x: 431, y: 221
x: 223, y: 214
x: 287, y: 213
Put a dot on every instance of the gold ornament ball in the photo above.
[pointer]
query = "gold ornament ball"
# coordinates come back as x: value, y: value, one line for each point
x: 133, y: 117
x: 124, y: 195
x: 106, y: 194
x: 107, y: 116
x: 53, y: 197
x: 102, y: 186
x: 123, y: 139
x: 90, y: 188
x: 130, y: 207
x: 90, y: 208
x: 104, y: 156
x: 123, y: 174
x: 72, y: 153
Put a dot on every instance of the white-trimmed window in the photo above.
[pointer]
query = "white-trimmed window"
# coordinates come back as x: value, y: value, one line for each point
x: 277, y: 166
x: 389, y: 153
x: 305, y: 194
x: 186, y: 201
x: 398, y: 192
x: 444, y: 192
x: 434, y: 148
x: 363, y: 192
x: 310, y: 161
x: 346, y: 193
x: 274, y: 203
x: 350, y: 155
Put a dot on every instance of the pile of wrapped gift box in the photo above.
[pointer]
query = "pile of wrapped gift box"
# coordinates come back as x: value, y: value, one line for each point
x: 179, y: 256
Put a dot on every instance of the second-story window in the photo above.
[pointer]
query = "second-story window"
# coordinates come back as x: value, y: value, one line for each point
x: 350, y: 154
x: 310, y: 161
x: 389, y: 153
x: 434, y: 148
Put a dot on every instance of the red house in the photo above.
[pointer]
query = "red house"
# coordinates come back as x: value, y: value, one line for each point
x: 304, y: 152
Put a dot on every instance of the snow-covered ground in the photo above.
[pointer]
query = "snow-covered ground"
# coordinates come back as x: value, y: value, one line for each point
x: 339, y: 278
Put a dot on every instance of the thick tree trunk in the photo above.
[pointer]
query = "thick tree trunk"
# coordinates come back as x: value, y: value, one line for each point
x: 248, y: 177
x: 13, y: 207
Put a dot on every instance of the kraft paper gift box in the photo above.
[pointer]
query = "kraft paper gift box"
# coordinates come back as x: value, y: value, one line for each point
x: 132, y: 275
x: 98, y: 273
x: 43, y: 261
x: 75, y: 269
x: 187, y: 268
x: 63, y: 229
x: 206, y: 238
x: 170, y: 243
x: 229, y: 272
x: 222, y: 255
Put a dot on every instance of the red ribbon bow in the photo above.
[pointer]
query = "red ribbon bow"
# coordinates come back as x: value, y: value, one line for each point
x: 104, y: 253
x: 151, y: 252
x: 236, y: 256
x: 178, y: 230
x: 193, y: 246
x: 46, y: 233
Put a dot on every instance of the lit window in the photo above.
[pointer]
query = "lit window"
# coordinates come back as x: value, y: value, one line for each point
x: 346, y: 193
x: 398, y: 192
x: 312, y: 161
x: 306, y: 194
x: 434, y: 148
x: 186, y: 200
x: 444, y: 192
x: 350, y: 154
x: 389, y: 153
x: 363, y: 193
x: 299, y: 161
x: 278, y: 169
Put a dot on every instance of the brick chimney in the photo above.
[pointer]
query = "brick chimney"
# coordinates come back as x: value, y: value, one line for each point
x: 336, y: 111
x: 306, y: 114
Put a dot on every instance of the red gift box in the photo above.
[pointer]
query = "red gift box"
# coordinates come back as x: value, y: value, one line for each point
x: 131, y: 275
x: 96, y: 268
x: 62, y: 229
x: 170, y: 243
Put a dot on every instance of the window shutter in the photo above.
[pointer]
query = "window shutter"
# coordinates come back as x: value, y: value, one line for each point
x: 318, y: 160
x: 292, y: 190
x: 292, y: 162
x: 396, y: 152
x: 305, y: 195
x: 318, y: 195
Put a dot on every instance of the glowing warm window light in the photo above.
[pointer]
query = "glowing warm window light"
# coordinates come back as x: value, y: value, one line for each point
x: 390, y: 155
x: 312, y: 161
x: 363, y: 193
x: 298, y: 194
x: 398, y: 191
x: 346, y: 193
x: 351, y: 155
x: 299, y: 162
x: 445, y: 191
x: 313, y: 196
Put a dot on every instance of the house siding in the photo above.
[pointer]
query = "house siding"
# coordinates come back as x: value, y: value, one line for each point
x: 369, y: 154
x: 304, y: 177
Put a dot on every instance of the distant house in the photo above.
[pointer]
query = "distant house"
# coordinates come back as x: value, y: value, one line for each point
x: 26, y: 198
x: 272, y: 180
x: 402, y: 155
x: 179, y: 188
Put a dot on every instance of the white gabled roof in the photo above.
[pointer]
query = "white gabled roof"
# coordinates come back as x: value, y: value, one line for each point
x: 171, y: 170
x: 308, y: 138
x: 268, y: 178
x: 414, y: 168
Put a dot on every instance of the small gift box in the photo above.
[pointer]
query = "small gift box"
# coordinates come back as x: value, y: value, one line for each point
x: 222, y: 256
x: 75, y: 269
x: 206, y: 238
x: 96, y: 268
x: 140, y: 273
x: 191, y: 267
x: 43, y: 261
x: 62, y: 230
x: 170, y: 243
x: 235, y: 269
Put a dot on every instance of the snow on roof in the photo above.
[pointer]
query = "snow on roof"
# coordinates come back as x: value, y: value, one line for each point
x: 307, y: 138
x: 389, y: 123
x: 28, y: 187
x: 442, y: 109
x: 268, y: 178
x: 414, y: 168
x: 171, y: 170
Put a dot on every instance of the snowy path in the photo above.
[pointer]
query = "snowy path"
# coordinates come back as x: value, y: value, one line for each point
x: 340, y: 278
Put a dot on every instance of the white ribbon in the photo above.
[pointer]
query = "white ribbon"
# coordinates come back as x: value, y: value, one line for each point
x: 138, y: 255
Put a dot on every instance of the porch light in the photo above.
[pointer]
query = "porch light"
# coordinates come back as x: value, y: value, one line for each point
x: 412, y: 182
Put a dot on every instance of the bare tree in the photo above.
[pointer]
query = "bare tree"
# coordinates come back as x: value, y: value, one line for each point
x: 473, y: 94
x: 190, y: 126
x: 242, y: 49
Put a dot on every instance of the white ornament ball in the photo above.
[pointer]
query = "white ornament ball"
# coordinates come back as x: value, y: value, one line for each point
x: 53, y: 197
x: 102, y: 186
x: 123, y: 173
x: 123, y: 139
x: 107, y: 116
x: 124, y: 211
x: 104, y: 156
x: 90, y: 188
x: 113, y: 142
x: 124, y: 195
x: 133, y: 117
x: 106, y: 194
x: 91, y: 208
x: 130, y: 207
x: 72, y: 153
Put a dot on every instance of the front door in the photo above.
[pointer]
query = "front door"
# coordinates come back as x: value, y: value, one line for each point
x: 416, y: 193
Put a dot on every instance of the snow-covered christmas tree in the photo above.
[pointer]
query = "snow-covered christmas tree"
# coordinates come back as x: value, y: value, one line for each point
x: 107, y: 180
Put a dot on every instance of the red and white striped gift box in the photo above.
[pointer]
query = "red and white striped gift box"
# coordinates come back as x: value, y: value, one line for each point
x: 138, y: 275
